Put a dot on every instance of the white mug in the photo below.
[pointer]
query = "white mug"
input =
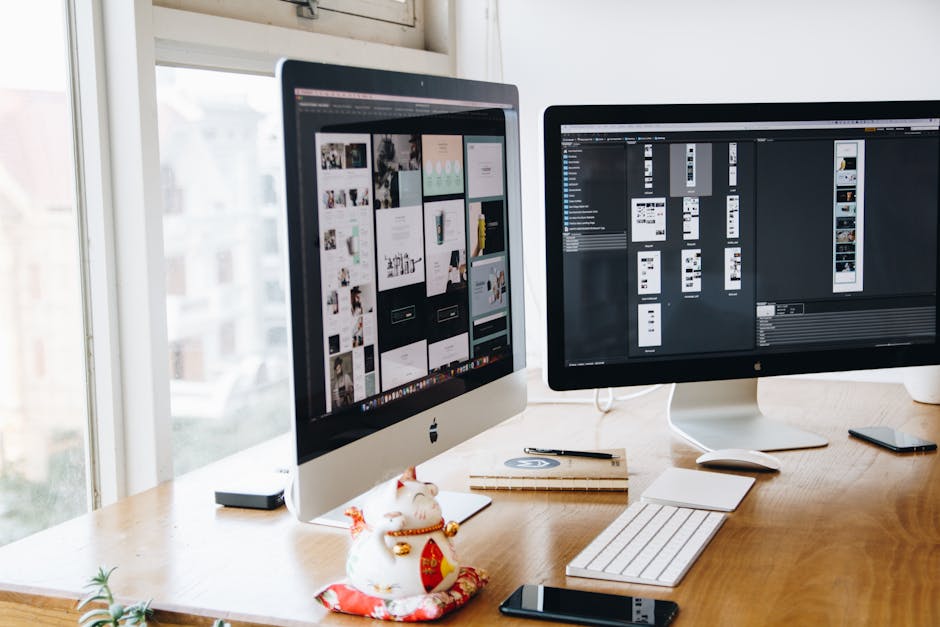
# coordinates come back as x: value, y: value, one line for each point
x: 923, y: 383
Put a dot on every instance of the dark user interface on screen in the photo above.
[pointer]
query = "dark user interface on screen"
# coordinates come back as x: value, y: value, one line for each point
x: 716, y: 241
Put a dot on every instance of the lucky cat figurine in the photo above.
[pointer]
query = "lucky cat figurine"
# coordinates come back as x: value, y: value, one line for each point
x: 401, y: 545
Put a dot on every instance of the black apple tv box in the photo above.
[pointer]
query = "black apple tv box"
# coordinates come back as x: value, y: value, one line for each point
x: 265, y: 492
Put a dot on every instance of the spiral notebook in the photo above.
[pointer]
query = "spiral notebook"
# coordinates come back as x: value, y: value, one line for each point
x: 508, y: 471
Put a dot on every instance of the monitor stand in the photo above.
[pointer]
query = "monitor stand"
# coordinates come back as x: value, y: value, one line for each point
x: 456, y: 506
x: 724, y: 414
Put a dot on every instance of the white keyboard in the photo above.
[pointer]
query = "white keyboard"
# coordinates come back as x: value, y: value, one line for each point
x: 648, y: 543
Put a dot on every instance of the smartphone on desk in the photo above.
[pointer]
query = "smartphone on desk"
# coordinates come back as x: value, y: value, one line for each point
x: 588, y: 608
x: 890, y: 438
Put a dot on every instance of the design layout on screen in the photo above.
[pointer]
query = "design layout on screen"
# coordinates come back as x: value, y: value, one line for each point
x: 743, y: 238
x: 399, y: 218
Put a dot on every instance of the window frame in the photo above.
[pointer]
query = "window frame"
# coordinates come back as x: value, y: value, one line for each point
x: 197, y: 40
x: 403, y: 14
x: 116, y: 47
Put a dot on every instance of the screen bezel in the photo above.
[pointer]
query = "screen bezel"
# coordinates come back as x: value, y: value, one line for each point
x: 305, y: 317
x: 704, y: 368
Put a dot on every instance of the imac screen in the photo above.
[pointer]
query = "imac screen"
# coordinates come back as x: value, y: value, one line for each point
x: 399, y: 254
x: 704, y: 242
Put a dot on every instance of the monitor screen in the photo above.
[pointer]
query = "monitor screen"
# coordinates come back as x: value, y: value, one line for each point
x: 401, y: 194
x: 703, y: 242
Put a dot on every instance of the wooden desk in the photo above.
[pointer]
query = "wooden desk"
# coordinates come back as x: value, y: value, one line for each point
x: 844, y: 535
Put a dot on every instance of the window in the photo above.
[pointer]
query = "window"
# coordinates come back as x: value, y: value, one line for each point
x: 393, y: 11
x: 393, y: 22
x: 34, y: 281
x: 270, y: 243
x: 39, y: 353
x: 224, y: 270
x: 172, y: 194
x: 277, y: 336
x: 176, y: 276
x: 273, y: 292
x: 220, y: 151
x: 227, y: 338
x: 42, y: 372
x: 268, y: 190
x: 186, y: 360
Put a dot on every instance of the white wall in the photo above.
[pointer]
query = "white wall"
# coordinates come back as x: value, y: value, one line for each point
x: 671, y: 51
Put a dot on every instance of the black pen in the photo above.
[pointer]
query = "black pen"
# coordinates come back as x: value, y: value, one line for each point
x: 553, y: 451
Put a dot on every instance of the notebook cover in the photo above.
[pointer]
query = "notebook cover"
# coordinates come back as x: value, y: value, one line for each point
x: 517, y: 471
x: 698, y: 489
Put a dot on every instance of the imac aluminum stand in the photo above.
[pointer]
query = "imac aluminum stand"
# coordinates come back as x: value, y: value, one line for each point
x: 456, y: 506
x: 724, y: 414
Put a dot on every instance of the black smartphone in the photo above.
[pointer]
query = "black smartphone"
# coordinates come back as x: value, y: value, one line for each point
x: 588, y: 608
x: 891, y: 438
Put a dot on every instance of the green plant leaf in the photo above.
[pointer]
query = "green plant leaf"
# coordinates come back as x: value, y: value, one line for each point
x: 99, y: 616
x: 114, y: 614
x: 101, y: 578
x: 99, y: 585
x: 93, y: 613
x: 141, y: 609
x: 89, y: 599
x: 138, y: 613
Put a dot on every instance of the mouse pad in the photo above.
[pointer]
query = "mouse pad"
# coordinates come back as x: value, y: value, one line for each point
x: 698, y: 489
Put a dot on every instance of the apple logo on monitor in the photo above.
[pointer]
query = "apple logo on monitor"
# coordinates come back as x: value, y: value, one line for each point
x: 432, y: 431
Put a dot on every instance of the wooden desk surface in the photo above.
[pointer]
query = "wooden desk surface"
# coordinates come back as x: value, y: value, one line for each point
x: 844, y: 535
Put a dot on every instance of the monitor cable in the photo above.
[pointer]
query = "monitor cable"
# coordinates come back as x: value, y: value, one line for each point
x: 290, y: 491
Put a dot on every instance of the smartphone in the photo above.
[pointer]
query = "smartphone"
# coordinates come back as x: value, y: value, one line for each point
x: 890, y: 438
x: 588, y: 608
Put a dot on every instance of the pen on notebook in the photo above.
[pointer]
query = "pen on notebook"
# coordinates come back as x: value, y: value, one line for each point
x: 554, y: 451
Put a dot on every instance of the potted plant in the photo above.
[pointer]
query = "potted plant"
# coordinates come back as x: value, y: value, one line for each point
x: 110, y: 612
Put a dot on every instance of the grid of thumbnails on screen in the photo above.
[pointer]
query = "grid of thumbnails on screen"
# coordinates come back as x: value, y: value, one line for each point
x: 758, y: 237
x: 413, y: 261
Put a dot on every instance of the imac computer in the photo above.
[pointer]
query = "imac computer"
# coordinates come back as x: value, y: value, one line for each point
x: 404, y: 261
x: 709, y: 245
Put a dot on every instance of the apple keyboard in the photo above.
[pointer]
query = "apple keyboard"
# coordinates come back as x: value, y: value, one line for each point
x: 649, y: 544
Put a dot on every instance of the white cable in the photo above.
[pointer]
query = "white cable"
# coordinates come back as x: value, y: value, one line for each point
x: 606, y: 407
x: 494, y: 48
x: 492, y: 26
x: 289, y: 492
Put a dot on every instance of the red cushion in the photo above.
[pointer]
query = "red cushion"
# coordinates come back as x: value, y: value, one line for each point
x: 342, y: 597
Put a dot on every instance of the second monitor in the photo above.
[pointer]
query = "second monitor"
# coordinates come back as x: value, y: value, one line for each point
x: 699, y: 243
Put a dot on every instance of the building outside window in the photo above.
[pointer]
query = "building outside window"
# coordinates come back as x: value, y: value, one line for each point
x: 224, y: 265
x: 43, y: 406
x: 220, y: 151
x: 176, y: 276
